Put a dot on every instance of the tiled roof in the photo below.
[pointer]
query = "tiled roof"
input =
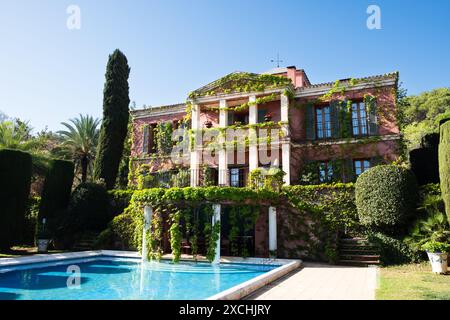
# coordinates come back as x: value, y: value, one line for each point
x: 391, y: 75
x: 170, y: 108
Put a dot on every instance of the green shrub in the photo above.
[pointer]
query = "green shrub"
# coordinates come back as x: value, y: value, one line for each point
x: 386, y: 198
x: 334, y: 202
x: 88, y: 211
x: 392, y: 251
x: 31, y: 218
x: 119, y: 200
x: 15, y: 180
x: 436, y: 247
x: 444, y: 163
x: 432, y: 223
x: 56, y: 191
x: 120, y: 234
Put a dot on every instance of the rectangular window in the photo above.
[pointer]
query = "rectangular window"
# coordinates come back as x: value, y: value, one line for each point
x: 359, y: 119
x: 236, y: 177
x: 323, y: 122
x: 360, y: 166
x: 325, y: 172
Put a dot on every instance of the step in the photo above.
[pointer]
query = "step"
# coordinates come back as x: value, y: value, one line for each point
x: 85, y: 243
x: 353, y: 239
x: 357, y: 245
x: 354, y: 257
x: 364, y: 250
x: 358, y: 263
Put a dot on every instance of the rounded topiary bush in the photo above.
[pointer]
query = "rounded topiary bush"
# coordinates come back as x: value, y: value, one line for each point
x: 386, y: 197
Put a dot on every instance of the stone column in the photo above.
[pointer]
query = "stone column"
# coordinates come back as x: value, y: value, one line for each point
x: 216, y: 219
x: 272, y: 229
x: 195, y: 154
x: 223, y: 158
x: 286, y: 146
x: 148, y: 214
x: 286, y: 162
x: 253, y: 161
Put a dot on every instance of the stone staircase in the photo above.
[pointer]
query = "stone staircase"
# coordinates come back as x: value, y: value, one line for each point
x: 86, y: 242
x: 357, y: 252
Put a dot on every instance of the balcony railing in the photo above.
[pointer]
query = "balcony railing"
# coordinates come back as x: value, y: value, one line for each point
x: 234, y: 177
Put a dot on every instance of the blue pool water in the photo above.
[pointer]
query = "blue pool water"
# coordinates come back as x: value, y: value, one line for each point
x: 107, y: 278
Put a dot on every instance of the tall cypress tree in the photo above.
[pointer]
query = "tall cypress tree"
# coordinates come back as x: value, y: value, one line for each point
x: 115, y: 119
x: 444, y: 163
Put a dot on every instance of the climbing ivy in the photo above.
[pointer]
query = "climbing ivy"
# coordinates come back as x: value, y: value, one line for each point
x: 242, y: 82
x: 175, y: 234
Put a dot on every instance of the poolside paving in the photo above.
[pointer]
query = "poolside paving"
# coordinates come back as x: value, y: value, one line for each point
x: 322, y: 282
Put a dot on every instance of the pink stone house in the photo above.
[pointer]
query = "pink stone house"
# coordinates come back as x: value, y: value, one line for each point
x: 325, y: 132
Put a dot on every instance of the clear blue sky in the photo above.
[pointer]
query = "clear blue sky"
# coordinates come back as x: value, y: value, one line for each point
x: 50, y: 74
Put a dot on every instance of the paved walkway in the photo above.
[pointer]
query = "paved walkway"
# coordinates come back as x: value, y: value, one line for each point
x: 322, y: 282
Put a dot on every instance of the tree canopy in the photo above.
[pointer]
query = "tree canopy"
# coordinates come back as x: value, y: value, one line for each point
x: 422, y: 113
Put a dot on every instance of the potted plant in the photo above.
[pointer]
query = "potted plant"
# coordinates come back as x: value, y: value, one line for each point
x: 268, y: 117
x: 437, y: 254
x: 43, y: 237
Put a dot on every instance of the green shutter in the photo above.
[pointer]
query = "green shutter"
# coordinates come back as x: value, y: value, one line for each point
x: 145, y: 139
x: 230, y: 118
x: 337, y: 167
x: 310, y: 123
x: 371, y: 109
x: 261, y: 115
x: 349, y: 171
x: 335, y: 106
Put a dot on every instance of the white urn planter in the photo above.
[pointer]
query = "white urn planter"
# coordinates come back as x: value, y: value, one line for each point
x: 42, y: 245
x: 438, y: 262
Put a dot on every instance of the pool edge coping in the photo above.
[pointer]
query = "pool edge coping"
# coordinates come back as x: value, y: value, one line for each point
x: 248, y: 287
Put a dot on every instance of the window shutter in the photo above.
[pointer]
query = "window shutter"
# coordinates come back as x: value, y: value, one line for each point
x: 371, y: 109
x: 230, y: 118
x: 261, y: 115
x: 335, y: 106
x: 349, y: 171
x: 310, y: 123
x: 145, y: 139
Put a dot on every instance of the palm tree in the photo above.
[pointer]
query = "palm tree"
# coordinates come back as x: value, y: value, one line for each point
x: 79, y: 142
x: 16, y: 135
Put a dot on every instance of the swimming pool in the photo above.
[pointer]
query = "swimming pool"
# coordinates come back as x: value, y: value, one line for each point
x: 114, y: 278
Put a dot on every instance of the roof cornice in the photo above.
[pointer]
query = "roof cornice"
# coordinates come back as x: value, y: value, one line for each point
x: 325, y: 88
x: 159, y: 111
x: 238, y: 95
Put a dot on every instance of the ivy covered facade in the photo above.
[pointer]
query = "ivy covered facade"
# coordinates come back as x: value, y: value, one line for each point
x: 329, y: 132
x: 269, y: 132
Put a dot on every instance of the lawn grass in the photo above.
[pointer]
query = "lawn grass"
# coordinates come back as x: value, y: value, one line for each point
x: 412, y: 282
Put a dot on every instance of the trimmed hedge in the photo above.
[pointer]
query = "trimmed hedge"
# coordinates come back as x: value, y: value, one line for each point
x: 56, y: 190
x: 444, y: 163
x: 386, y: 197
x: 424, y: 160
x: 15, y: 181
x: 88, y: 211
